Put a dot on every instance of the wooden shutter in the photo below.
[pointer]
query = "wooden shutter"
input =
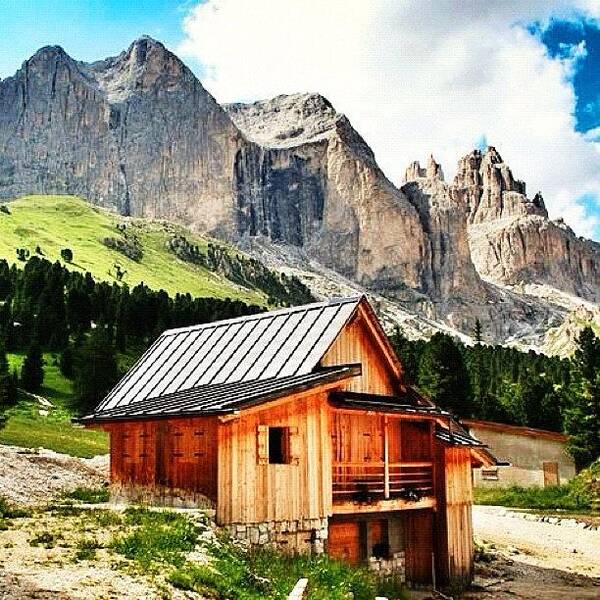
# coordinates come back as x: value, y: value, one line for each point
x: 262, y: 444
x: 295, y: 446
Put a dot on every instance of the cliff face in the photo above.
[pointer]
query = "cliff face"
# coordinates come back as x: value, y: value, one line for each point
x: 320, y: 188
x: 136, y: 133
x: 139, y: 134
x: 512, y: 239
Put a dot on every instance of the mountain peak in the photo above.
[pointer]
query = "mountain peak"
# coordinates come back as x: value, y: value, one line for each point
x: 433, y: 171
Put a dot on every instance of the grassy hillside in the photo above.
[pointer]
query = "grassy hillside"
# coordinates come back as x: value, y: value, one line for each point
x: 57, y: 222
x: 32, y: 424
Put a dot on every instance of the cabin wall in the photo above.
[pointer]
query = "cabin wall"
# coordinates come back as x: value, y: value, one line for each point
x: 284, y: 503
x: 355, y: 344
x: 166, y: 461
x: 454, y: 527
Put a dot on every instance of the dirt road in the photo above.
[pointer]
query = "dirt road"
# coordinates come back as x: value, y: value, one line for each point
x: 532, y: 559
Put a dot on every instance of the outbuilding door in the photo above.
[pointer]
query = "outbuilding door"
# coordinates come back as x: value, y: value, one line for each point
x: 550, y: 473
x: 344, y: 541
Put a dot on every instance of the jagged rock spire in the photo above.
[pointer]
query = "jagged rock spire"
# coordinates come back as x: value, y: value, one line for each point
x: 433, y: 171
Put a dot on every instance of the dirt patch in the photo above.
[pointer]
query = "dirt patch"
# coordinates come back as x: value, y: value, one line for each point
x: 36, y: 476
x: 541, y: 544
x: 531, y: 559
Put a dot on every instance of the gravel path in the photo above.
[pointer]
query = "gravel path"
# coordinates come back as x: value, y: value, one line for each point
x: 571, y: 549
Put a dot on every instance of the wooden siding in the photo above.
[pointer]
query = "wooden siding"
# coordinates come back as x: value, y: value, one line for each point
x: 355, y: 344
x: 167, y: 454
x: 454, y: 519
x: 419, y: 545
x: 250, y: 492
x: 378, y: 455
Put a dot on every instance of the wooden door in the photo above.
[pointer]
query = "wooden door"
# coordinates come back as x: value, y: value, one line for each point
x: 550, y: 473
x: 344, y: 541
x: 419, y: 545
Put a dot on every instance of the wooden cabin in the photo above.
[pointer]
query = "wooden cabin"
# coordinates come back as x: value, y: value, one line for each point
x: 297, y: 427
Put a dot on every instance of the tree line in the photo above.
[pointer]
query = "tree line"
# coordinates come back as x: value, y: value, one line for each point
x: 89, y: 324
x: 496, y: 383
x: 97, y: 329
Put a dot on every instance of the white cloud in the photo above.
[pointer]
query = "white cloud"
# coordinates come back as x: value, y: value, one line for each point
x: 416, y: 77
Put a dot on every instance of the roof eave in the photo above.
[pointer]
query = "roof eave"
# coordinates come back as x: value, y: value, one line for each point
x: 348, y: 371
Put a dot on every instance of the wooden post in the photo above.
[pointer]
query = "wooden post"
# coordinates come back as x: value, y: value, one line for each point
x: 386, y: 458
x: 299, y: 591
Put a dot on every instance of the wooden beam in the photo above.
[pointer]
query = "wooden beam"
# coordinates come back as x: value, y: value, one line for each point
x: 386, y: 459
x: 350, y: 507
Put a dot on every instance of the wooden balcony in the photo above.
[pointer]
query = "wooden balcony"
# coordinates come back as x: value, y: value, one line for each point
x: 375, y: 481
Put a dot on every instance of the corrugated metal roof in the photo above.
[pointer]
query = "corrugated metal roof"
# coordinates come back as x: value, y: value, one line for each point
x: 273, y: 345
x: 222, y: 398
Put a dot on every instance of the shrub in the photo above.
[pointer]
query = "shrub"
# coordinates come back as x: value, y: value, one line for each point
x: 585, y: 487
x: 4, y: 209
x: 129, y: 247
x: 67, y: 255
x: 10, y: 511
x: 86, y: 549
x: 89, y: 495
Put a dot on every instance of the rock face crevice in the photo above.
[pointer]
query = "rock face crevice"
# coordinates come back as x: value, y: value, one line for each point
x: 139, y: 134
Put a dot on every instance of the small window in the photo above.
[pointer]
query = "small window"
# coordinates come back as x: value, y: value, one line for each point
x: 279, y: 445
x: 489, y: 474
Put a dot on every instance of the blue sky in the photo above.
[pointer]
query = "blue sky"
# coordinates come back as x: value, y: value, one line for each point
x: 88, y: 30
x: 367, y: 71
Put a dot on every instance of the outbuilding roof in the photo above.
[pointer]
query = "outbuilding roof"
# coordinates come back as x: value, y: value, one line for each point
x: 267, y: 347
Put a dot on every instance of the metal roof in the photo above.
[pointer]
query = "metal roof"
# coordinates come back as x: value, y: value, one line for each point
x: 268, y: 346
x: 223, y: 398
x: 410, y: 401
x: 457, y: 438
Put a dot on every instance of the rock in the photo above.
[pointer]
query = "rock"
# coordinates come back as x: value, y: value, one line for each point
x: 139, y: 134
x: 513, y: 240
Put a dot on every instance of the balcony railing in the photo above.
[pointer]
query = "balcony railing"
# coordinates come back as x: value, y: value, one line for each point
x: 373, y: 481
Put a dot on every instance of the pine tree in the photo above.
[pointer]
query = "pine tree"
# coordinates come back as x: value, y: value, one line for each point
x: 443, y: 375
x: 406, y: 351
x: 478, y: 331
x: 582, y: 416
x: 8, y: 390
x: 32, y: 372
x: 66, y: 363
x: 96, y: 371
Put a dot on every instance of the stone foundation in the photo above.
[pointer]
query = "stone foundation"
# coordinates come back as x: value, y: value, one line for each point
x: 159, y: 496
x: 390, y: 566
x: 302, y: 535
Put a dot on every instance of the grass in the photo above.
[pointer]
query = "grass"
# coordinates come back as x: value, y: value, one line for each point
x: 27, y: 428
x: 157, y: 538
x: 159, y: 542
x: 89, y: 495
x: 558, y: 497
x: 57, y: 222
x: 32, y: 425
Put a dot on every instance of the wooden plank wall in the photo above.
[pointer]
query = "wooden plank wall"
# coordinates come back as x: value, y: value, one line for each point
x: 355, y: 344
x: 170, y: 454
x: 357, y: 437
x: 454, y: 518
x: 419, y: 545
x: 250, y: 492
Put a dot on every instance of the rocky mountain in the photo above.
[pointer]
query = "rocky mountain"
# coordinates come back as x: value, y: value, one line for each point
x: 140, y: 135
